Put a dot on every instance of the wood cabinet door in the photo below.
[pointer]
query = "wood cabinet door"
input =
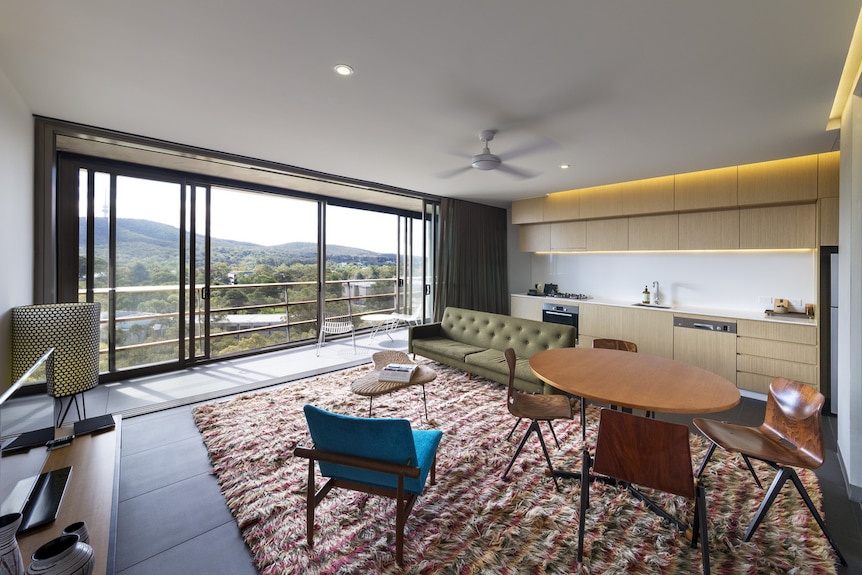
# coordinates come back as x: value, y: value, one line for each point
x: 654, y: 195
x: 569, y: 235
x: 563, y: 206
x: 595, y: 321
x: 608, y: 235
x: 651, y: 330
x: 778, y: 227
x: 529, y: 211
x: 535, y: 237
x: 780, y: 181
x: 526, y: 307
x: 718, y: 230
x: 713, y: 351
x: 706, y: 190
x: 654, y: 232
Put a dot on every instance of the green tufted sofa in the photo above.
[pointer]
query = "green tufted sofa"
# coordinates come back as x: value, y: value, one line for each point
x: 474, y: 341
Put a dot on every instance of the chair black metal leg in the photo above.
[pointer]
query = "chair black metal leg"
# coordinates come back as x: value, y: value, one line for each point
x: 810, y: 504
x: 424, y: 401
x: 535, y: 426
x: 782, y: 476
x: 585, y: 502
x: 554, y: 434
x: 518, y: 451
x: 517, y: 423
x: 751, y: 469
x: 370, y: 401
x: 706, y: 457
x: 700, y: 528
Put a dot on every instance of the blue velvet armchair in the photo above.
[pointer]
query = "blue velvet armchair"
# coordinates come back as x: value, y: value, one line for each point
x: 373, y: 455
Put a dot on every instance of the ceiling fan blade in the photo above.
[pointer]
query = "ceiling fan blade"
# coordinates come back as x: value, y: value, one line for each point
x: 516, y: 172
x: 538, y: 146
x: 455, y: 172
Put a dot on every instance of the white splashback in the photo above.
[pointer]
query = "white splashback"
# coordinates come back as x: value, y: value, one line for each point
x: 725, y: 280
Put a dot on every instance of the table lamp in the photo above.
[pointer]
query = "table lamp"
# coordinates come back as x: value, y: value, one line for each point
x: 72, y: 329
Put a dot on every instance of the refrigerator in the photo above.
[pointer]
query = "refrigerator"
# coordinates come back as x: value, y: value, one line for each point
x: 833, y: 332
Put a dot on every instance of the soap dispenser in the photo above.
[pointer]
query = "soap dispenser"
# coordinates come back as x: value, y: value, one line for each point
x: 646, y: 295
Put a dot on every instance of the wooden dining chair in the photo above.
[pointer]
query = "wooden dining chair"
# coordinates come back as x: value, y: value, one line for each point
x: 619, y: 345
x: 790, y: 436
x: 536, y: 407
x: 644, y: 452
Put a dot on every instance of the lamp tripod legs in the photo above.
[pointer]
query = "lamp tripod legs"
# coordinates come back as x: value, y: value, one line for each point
x: 61, y: 413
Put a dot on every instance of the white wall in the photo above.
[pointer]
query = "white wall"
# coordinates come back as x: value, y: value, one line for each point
x: 850, y: 298
x: 16, y: 215
x: 723, y: 280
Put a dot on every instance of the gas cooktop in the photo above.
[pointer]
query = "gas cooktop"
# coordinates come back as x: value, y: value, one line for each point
x: 564, y: 295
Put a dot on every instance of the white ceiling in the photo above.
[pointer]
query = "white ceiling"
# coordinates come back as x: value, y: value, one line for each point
x: 618, y: 89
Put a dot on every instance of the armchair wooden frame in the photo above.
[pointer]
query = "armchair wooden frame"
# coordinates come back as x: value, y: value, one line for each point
x: 404, y: 500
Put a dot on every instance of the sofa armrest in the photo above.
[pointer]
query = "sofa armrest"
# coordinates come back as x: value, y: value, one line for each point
x: 422, y: 332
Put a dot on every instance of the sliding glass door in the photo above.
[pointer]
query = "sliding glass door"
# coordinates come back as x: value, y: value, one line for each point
x: 189, y: 271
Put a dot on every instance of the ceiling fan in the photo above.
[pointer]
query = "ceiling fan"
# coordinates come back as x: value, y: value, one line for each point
x: 487, y: 161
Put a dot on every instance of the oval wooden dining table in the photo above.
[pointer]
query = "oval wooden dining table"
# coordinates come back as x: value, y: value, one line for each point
x: 634, y: 380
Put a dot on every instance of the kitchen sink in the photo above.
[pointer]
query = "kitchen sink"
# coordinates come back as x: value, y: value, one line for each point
x: 657, y: 306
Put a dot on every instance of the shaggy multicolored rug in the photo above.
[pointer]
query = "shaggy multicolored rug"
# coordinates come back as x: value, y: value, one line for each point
x: 472, y: 521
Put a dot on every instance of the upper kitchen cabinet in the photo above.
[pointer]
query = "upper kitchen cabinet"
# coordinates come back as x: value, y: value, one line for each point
x: 712, y: 230
x: 793, y: 180
x: 654, y: 232
x: 530, y: 211
x: 601, y: 202
x: 778, y: 227
x: 608, y: 235
x: 563, y: 206
x: 535, y: 237
x: 568, y: 235
x: 828, y: 174
x: 651, y: 196
x: 707, y: 190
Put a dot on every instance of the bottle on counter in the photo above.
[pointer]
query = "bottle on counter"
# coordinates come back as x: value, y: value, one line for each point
x: 646, y: 295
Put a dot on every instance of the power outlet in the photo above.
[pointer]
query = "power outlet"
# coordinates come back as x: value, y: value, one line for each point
x: 796, y: 305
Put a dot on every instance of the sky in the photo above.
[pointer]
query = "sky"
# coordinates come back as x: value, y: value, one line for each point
x: 262, y: 219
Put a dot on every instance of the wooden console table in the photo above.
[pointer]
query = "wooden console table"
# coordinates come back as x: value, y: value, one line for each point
x: 91, y: 494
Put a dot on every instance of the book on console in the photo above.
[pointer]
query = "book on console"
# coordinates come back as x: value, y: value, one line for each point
x: 398, y: 372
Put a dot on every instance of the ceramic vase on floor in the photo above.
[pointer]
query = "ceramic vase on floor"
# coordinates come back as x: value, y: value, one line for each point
x: 65, y: 555
x: 10, y: 554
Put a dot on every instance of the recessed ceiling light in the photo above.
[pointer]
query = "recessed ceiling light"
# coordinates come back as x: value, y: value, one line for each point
x: 565, y: 166
x: 343, y: 70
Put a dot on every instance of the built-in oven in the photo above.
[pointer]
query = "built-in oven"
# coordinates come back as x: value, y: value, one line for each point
x: 560, y: 313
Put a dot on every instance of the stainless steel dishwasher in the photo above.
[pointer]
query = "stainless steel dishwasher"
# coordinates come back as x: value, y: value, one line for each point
x: 707, y: 343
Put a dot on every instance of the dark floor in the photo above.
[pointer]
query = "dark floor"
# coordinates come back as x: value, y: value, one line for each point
x: 172, y: 518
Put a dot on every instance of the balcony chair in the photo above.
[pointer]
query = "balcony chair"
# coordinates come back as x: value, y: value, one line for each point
x: 790, y: 436
x: 337, y: 325
x: 376, y: 456
x: 644, y: 452
x: 535, y: 407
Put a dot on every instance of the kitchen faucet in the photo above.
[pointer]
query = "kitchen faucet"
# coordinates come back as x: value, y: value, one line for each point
x: 655, y: 293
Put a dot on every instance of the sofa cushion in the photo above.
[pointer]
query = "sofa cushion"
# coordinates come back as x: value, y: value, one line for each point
x: 495, y: 331
x: 495, y: 360
x: 445, y: 347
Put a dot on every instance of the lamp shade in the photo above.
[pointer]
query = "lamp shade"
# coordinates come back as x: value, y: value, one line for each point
x: 72, y: 329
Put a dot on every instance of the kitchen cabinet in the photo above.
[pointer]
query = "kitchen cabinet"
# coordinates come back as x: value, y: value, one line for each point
x: 781, y: 181
x: 654, y: 195
x: 828, y: 221
x: 715, y: 230
x: 766, y: 350
x: 563, y: 206
x: 654, y: 232
x: 706, y: 190
x: 526, y: 307
x: 828, y: 174
x: 535, y: 237
x: 714, y: 351
x: 778, y: 227
x: 607, y: 235
x: 568, y: 235
x: 529, y: 211
x: 601, y: 202
x: 651, y: 330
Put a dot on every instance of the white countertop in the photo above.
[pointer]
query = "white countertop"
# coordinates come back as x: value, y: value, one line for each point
x: 681, y: 309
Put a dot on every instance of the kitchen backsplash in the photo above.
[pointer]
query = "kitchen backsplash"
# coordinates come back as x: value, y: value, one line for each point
x: 745, y: 281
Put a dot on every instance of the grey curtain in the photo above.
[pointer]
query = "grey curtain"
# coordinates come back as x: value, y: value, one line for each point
x: 473, y: 266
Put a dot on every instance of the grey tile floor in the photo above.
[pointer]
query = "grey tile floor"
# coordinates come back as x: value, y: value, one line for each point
x: 172, y: 517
